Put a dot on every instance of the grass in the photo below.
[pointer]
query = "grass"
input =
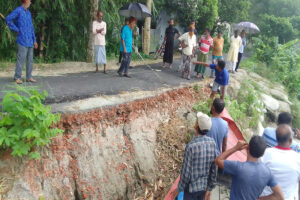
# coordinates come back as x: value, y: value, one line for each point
x: 252, y: 65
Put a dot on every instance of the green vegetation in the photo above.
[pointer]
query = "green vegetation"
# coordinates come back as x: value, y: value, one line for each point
x: 245, y: 110
x: 25, y: 122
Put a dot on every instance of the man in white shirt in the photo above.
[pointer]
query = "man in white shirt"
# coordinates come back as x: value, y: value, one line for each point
x: 99, y: 30
x: 241, y: 50
x: 188, y: 43
x: 284, y: 164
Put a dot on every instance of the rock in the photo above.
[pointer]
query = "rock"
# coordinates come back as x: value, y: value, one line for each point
x: 284, y: 107
x: 270, y: 103
x: 191, y: 120
x: 280, y: 95
x: 233, y: 87
x: 260, y: 129
x: 262, y: 86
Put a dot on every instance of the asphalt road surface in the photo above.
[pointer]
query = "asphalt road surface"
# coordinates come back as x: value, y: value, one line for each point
x: 76, y: 86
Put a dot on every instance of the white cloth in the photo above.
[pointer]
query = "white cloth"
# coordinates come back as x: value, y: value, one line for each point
x: 99, y: 37
x: 190, y: 42
x: 244, y: 43
x: 204, y: 121
x: 235, y: 44
x: 285, y: 166
x: 231, y: 65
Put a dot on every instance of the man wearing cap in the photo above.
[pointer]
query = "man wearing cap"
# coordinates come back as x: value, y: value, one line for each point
x: 199, y: 172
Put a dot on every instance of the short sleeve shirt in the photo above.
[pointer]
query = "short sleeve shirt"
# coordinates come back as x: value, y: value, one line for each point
x: 248, y: 179
x: 126, y: 35
x: 218, y: 131
x: 222, y: 77
x: 190, y: 42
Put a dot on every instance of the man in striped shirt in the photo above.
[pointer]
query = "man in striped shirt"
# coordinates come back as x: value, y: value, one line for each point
x: 199, y: 172
x: 270, y: 133
x: 205, y: 43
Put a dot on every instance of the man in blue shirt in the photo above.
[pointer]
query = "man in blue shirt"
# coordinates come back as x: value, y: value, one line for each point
x: 126, y: 47
x: 270, y: 133
x: 251, y: 177
x: 20, y: 21
x: 219, y: 128
x: 221, y: 80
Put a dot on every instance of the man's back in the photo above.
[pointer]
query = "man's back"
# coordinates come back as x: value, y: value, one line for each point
x: 285, y: 166
x: 218, y: 132
x: 248, y: 179
x: 199, y: 169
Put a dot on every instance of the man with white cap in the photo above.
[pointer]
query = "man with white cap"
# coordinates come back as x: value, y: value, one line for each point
x: 199, y: 172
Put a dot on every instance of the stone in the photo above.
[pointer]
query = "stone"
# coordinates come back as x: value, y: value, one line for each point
x: 191, y: 120
x: 280, y: 95
x: 270, y: 103
x: 260, y: 129
x: 233, y: 87
x: 284, y: 107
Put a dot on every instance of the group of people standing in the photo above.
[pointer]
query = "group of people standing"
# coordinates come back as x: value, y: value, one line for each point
x: 271, y: 171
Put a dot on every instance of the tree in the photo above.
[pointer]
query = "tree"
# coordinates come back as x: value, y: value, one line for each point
x: 90, y: 47
x: 233, y: 11
x: 277, y: 26
x: 147, y: 30
x: 204, y: 12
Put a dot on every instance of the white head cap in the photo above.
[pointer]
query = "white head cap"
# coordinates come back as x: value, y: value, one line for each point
x: 204, y: 121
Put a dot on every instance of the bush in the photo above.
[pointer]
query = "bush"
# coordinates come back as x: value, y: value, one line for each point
x: 25, y: 122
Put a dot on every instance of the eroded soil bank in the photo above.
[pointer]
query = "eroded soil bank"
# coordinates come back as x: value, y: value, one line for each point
x: 128, y: 151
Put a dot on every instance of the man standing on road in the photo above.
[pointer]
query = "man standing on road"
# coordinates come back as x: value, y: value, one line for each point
x: 169, y: 48
x: 251, y: 177
x: 99, y: 30
x: 188, y: 43
x: 284, y: 164
x: 205, y: 43
x: 121, y: 54
x: 199, y: 172
x: 20, y: 21
x: 241, y: 50
x: 217, y: 54
x: 126, y: 47
x: 219, y: 128
x: 232, y: 57
x: 221, y: 80
x: 186, y: 30
x: 270, y: 133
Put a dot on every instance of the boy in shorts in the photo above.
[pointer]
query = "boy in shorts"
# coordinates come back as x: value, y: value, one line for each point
x: 221, y: 80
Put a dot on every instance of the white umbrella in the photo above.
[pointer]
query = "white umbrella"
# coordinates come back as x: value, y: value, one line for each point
x: 249, y: 27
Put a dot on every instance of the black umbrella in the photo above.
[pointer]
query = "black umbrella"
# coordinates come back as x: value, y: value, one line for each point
x: 137, y: 10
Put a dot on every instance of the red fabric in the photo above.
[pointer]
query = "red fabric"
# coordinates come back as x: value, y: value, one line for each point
x: 234, y: 135
x: 205, y: 44
x: 282, y: 148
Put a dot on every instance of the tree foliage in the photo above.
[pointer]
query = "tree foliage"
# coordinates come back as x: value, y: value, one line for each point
x: 233, y: 11
x: 204, y: 12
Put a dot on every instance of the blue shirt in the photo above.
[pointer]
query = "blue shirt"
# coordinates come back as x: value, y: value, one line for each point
x: 20, y: 21
x: 271, y: 141
x: 126, y: 35
x: 222, y: 77
x: 218, y: 131
x: 248, y: 179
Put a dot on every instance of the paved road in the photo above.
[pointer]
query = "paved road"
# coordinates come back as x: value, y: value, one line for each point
x: 75, y: 86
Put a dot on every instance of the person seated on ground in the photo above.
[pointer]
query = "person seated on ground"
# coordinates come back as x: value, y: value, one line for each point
x: 284, y: 164
x: 199, y: 172
x: 221, y: 80
x: 188, y: 43
x: 251, y: 177
x: 219, y: 128
x: 270, y: 133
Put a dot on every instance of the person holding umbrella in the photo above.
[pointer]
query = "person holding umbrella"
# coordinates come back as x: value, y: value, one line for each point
x: 232, y: 57
x: 169, y: 39
x: 126, y: 47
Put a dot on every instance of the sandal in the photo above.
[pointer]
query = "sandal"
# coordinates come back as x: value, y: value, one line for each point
x: 31, y: 80
x: 18, y: 81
